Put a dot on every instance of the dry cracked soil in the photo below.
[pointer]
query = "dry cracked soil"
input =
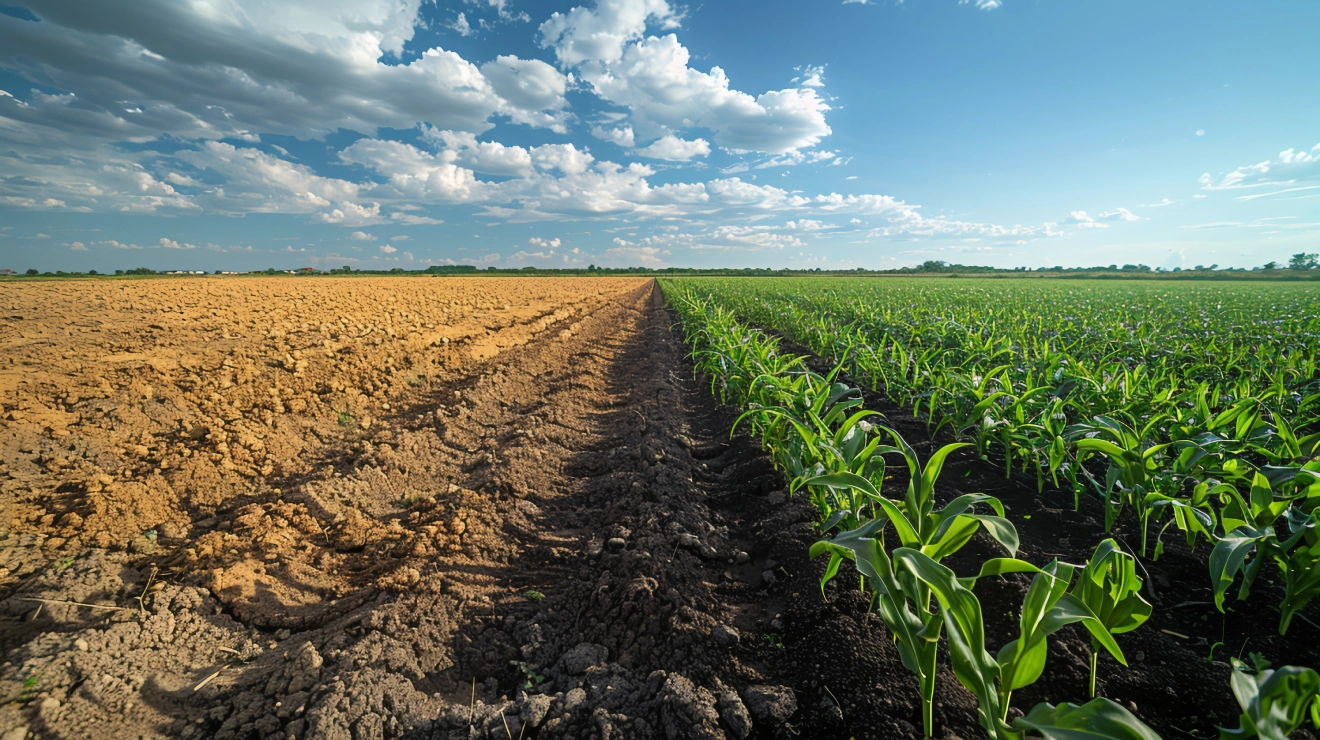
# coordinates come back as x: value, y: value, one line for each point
x: 410, y: 508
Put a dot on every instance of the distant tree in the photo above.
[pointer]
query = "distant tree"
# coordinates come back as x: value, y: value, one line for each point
x: 1270, y: 266
x: 933, y: 266
x: 93, y: 272
x: 31, y: 272
x: 1302, y: 261
x: 119, y: 272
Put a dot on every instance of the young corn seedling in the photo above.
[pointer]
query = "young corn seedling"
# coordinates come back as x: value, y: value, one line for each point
x: 1251, y: 526
x: 936, y: 533
x: 1133, y: 467
x: 1111, y: 590
x: 1046, y: 609
x: 1274, y: 703
x: 906, y: 608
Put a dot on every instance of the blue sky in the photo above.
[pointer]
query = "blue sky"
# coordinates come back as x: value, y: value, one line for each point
x: 241, y: 134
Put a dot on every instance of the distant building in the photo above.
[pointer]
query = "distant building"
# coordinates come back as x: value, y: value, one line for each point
x: 7, y: 271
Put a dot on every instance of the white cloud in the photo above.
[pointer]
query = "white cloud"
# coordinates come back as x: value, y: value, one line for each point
x: 1291, y: 167
x: 361, y: 236
x: 78, y: 247
x: 1119, y: 214
x: 387, y: 249
x: 1161, y: 204
x: 810, y: 77
x: 807, y: 224
x: 664, y: 94
x: 1291, y: 156
x: 643, y: 256
x: 533, y: 91
x: 651, y: 76
x: 1082, y: 221
x: 983, y: 4
x: 171, y: 244
x: 228, y: 68
x: 408, y: 219
x: 537, y: 241
x: 622, y: 136
x: 414, y: 174
x: 599, y: 35
x: 674, y: 149
x: 486, y: 157
x: 462, y: 26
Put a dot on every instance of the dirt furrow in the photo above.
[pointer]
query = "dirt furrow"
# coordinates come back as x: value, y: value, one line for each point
x: 562, y: 542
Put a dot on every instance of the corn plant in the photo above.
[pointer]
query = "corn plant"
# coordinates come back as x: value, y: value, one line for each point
x: 936, y: 534
x: 1133, y: 467
x: 1204, y: 417
x: 1046, y: 609
x: 1111, y: 590
x: 1274, y: 702
x: 1253, y: 526
x: 1098, y: 718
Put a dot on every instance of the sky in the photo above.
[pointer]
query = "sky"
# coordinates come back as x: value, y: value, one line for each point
x: 246, y: 134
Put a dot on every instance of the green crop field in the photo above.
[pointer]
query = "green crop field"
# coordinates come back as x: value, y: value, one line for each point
x: 1187, y: 414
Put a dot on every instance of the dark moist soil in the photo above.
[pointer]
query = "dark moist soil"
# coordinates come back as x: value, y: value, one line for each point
x: 1172, y: 682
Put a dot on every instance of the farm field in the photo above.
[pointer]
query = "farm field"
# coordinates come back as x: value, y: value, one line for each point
x: 509, y: 507
x: 295, y: 510
x: 1165, y: 437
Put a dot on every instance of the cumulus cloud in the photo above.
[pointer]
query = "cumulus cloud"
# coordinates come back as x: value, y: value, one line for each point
x: 599, y: 34
x: 652, y: 78
x: 213, y: 69
x: 622, y: 136
x: 78, y: 247
x: 387, y: 249
x: 1119, y: 214
x: 537, y: 241
x: 1289, y: 172
x: 486, y: 157
x: 674, y: 149
x: 415, y: 174
x: 533, y: 91
x: 1081, y: 220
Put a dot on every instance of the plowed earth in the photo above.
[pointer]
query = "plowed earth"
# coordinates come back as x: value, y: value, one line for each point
x: 291, y: 509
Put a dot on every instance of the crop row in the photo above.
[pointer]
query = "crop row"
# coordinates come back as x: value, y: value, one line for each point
x: 1195, y: 408
x: 817, y: 431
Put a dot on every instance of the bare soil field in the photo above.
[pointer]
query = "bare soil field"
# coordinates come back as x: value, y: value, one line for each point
x: 459, y: 508
x: 364, y: 508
